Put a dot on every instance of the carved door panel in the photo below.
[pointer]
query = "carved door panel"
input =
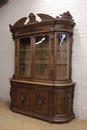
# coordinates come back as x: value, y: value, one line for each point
x: 22, y: 98
x: 62, y: 103
x: 40, y: 101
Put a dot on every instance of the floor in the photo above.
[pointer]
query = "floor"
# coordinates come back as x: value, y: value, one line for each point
x: 14, y: 121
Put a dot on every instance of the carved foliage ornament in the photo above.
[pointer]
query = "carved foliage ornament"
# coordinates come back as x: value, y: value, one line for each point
x: 65, y: 15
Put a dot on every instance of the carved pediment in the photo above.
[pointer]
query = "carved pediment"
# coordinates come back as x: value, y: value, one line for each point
x: 32, y: 19
x: 64, y: 19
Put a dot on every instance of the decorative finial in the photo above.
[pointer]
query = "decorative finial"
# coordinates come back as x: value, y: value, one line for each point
x: 66, y: 15
x: 32, y: 18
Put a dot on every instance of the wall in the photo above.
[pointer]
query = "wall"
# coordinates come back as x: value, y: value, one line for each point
x: 17, y: 9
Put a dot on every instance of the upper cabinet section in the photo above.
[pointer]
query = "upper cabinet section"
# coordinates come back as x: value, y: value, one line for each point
x: 30, y: 25
x: 43, y: 48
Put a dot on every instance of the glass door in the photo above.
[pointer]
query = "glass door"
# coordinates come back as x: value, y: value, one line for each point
x: 41, y: 68
x: 62, y: 56
x: 25, y: 57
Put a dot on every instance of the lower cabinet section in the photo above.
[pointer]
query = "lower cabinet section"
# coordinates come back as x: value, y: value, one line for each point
x: 63, y: 103
x: 51, y: 103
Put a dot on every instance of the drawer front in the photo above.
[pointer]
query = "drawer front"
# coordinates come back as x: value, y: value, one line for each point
x: 22, y: 98
x: 40, y: 101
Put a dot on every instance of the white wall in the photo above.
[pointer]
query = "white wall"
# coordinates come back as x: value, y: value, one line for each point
x: 17, y: 9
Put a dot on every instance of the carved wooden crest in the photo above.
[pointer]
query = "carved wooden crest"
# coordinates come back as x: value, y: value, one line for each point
x: 30, y: 24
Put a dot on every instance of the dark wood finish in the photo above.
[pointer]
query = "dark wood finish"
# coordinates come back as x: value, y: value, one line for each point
x: 42, y: 86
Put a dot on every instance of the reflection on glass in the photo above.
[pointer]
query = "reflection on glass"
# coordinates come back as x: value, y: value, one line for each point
x: 62, y: 57
x: 61, y: 38
x: 24, y: 57
x: 42, y: 57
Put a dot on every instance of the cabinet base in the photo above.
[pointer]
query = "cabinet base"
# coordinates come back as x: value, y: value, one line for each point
x: 45, y: 118
x: 49, y: 103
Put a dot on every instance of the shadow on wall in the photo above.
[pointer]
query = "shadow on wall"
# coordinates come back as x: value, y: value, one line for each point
x: 3, y: 2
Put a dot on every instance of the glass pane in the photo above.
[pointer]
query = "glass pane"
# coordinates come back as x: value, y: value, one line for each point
x: 42, y: 57
x: 62, y: 57
x: 24, y: 57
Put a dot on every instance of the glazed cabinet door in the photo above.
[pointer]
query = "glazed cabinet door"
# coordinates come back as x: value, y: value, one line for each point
x: 34, y: 58
x: 42, y: 56
x: 25, y: 57
x: 62, y: 56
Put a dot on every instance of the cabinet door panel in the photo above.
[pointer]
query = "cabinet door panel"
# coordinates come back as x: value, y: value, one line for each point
x: 62, y: 103
x: 22, y: 98
x: 40, y: 101
x: 25, y: 57
x: 62, y: 56
x: 41, y: 57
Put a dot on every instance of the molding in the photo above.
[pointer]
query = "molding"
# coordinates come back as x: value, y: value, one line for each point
x: 40, y: 83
